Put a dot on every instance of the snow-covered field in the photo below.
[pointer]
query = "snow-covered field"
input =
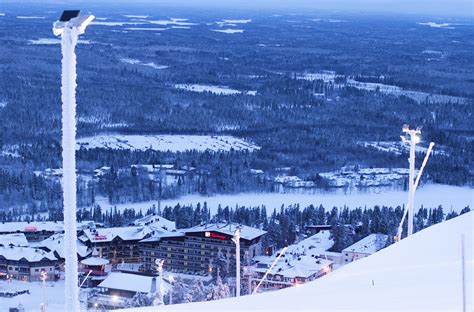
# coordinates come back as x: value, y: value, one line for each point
x: 173, y: 21
x: 437, y: 25
x: 173, y: 143
x: 55, y: 295
x: 31, y: 17
x: 137, y: 16
x: 420, y: 273
x: 330, y: 77
x: 54, y: 41
x: 430, y: 196
x: 399, y: 147
x: 138, y: 62
x: 101, y: 23
x: 229, y: 31
x: 146, y: 29
x: 219, y: 90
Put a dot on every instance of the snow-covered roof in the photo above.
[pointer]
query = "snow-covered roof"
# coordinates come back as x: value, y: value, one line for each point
x: 369, y: 244
x: 56, y: 243
x: 246, y: 232
x: 49, y: 226
x: 108, y: 234
x: 95, y: 261
x: 414, y: 274
x: 155, y: 221
x: 158, y: 234
x: 301, y: 259
x: 28, y: 253
x: 38, y: 226
x: 16, y: 239
x: 131, y: 282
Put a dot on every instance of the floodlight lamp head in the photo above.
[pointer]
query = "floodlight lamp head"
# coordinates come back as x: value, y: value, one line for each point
x: 72, y: 19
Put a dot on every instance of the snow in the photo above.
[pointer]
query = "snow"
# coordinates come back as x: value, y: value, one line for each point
x: 229, y: 31
x: 132, y: 282
x: 16, y: 239
x: 156, y: 222
x: 173, y: 143
x: 3, y: 104
x: 47, y: 41
x: 137, y: 16
x: 412, y: 275
x: 237, y: 21
x: 31, y: 302
x: 452, y: 198
x: 138, y: 62
x: 330, y: 77
x: 2, y: 14
x: 437, y: 25
x: 369, y: 244
x: 173, y: 21
x: 147, y: 29
x: 95, y: 261
x: 31, y: 17
x: 399, y: 147
x: 219, y: 90
x: 101, y: 23
x: 108, y: 234
x: 246, y: 232
x: 16, y: 253
x: 49, y: 226
x: 56, y: 243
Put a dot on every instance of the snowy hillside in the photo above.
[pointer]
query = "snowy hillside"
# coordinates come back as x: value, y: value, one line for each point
x: 421, y: 273
x: 173, y: 143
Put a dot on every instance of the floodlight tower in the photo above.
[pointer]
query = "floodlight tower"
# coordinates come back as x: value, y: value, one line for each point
x: 413, y: 137
x: 69, y: 27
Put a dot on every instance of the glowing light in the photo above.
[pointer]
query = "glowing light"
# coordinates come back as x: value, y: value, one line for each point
x: 114, y: 298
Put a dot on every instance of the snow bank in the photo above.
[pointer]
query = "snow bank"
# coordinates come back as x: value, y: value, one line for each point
x: 412, y: 275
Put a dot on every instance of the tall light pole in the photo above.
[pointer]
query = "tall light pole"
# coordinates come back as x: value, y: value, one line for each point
x: 43, y: 277
x: 159, y: 263
x: 69, y: 27
x: 171, y: 279
x: 236, y: 240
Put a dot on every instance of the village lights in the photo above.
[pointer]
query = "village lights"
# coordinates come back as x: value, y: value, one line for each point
x: 69, y: 27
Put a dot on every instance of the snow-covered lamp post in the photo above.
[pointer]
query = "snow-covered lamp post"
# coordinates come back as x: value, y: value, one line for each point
x: 171, y: 279
x: 43, y: 277
x: 159, y: 263
x: 236, y: 240
x: 69, y: 27
x: 413, y: 137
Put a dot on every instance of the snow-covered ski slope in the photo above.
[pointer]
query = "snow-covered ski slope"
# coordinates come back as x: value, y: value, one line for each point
x: 420, y: 273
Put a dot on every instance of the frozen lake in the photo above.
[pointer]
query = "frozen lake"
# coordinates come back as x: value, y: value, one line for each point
x: 450, y: 197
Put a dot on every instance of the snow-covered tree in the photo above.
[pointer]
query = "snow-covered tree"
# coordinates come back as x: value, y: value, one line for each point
x: 198, y: 290
x: 219, y: 291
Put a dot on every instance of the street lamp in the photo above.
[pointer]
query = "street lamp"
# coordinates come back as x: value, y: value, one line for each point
x: 236, y: 240
x: 171, y: 279
x: 159, y: 263
x: 43, y: 277
x: 69, y: 27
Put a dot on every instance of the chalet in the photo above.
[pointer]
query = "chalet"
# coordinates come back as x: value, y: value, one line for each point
x: 365, y: 247
x: 25, y: 263
x: 298, y: 264
x: 117, y: 290
x: 93, y: 270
